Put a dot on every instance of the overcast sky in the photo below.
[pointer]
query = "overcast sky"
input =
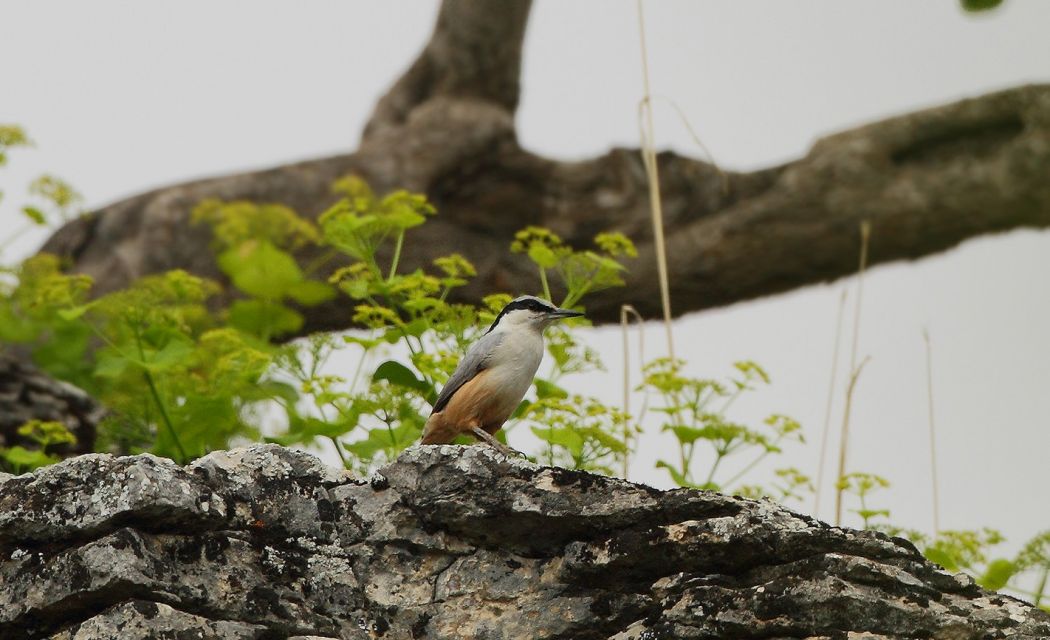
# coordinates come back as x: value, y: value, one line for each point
x: 124, y: 96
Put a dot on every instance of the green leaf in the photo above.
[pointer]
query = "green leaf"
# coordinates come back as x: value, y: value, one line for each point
x: 980, y: 5
x: 523, y: 406
x: 607, y: 440
x: 312, y: 292
x: 276, y: 389
x: 74, y: 312
x: 260, y: 269
x: 868, y: 514
x: 397, y: 373
x: 264, y: 318
x: 380, y: 439
x: 997, y: 574
x: 36, y: 215
x: 942, y: 558
x: 23, y: 458
x: 304, y: 430
x: 174, y: 353
x: 111, y: 364
x: 678, y: 477
x: 364, y: 343
x: 561, y: 437
x: 545, y: 389
x: 358, y: 289
x: 404, y: 218
x: 543, y: 256
x: 416, y: 328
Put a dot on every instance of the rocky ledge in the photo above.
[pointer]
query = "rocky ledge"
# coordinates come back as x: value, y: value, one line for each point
x: 448, y: 542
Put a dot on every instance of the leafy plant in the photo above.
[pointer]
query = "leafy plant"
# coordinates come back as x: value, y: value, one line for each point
x: 696, y: 410
x: 46, y: 435
x: 184, y: 370
x: 862, y: 485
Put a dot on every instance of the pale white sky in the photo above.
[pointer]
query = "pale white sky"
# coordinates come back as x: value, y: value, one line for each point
x: 124, y: 96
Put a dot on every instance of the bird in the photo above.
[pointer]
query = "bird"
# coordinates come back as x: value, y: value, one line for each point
x: 494, y: 375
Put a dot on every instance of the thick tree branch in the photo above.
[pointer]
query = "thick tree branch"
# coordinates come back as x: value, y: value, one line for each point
x: 474, y: 53
x: 926, y: 181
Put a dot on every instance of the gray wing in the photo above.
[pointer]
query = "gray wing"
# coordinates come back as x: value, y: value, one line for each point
x: 476, y: 360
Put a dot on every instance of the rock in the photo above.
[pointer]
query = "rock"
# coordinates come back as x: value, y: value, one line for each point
x: 146, y: 620
x: 26, y: 393
x: 448, y: 542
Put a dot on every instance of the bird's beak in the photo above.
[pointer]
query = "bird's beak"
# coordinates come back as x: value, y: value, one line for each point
x: 558, y: 314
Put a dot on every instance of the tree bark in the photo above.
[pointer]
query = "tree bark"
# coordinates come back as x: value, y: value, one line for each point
x: 926, y: 181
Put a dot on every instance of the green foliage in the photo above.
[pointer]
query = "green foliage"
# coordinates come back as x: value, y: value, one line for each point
x: 175, y: 379
x: 255, y: 245
x: 862, y: 485
x: 182, y: 375
x: 579, y: 433
x: 11, y: 136
x: 45, y: 435
x: 54, y: 200
x: 581, y: 272
x: 980, y: 5
x: 409, y: 313
x: 696, y: 410
x: 790, y: 485
x: 974, y: 552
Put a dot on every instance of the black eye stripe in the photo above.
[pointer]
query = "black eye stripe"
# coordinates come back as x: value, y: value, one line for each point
x: 527, y: 304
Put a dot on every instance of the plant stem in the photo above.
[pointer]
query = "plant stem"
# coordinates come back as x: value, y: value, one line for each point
x: 1039, y: 591
x: 165, y: 417
x: 865, y: 237
x: 751, y: 465
x: 714, y: 467
x: 546, y: 287
x: 339, y: 451
x: 572, y: 298
x: 319, y: 261
x: 655, y: 202
x: 827, y: 408
x: 844, y: 444
x: 397, y: 254
x: 933, y: 439
x: 156, y: 398
x: 625, y: 312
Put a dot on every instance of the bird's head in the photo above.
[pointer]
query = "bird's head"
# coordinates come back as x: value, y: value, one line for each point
x: 530, y: 312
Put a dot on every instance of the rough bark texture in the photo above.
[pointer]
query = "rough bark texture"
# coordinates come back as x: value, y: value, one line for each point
x: 926, y: 181
x: 26, y: 393
x: 448, y: 542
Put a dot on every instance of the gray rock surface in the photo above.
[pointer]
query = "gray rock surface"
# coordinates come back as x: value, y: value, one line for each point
x: 26, y: 393
x: 448, y: 542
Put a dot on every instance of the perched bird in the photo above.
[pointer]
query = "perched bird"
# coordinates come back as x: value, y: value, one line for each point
x: 489, y: 383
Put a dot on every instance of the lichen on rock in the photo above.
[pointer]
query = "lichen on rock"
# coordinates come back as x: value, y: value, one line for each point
x: 448, y: 542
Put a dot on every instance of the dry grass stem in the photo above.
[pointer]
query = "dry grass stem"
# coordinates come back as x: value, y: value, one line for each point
x: 626, y: 311
x: 827, y: 408
x: 844, y: 443
x: 696, y: 138
x: 865, y: 238
x: 933, y: 437
x: 655, y: 202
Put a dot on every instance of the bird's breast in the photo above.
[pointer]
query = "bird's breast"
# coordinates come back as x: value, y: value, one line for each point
x: 513, y: 367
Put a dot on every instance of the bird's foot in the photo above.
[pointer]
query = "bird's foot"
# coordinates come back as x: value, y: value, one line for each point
x: 490, y: 440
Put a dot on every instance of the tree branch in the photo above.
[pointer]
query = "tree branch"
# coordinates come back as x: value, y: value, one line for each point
x: 926, y: 181
x: 474, y: 53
